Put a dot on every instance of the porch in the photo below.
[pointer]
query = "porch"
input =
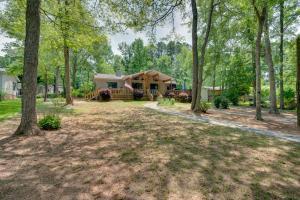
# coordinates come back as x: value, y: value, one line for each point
x: 125, y: 94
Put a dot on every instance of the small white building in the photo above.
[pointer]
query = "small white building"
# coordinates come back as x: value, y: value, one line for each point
x: 8, y: 84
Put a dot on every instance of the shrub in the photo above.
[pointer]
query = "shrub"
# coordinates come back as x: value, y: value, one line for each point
x: 53, y: 95
x: 224, y: 103
x: 204, y: 106
x: 189, y: 99
x: 166, y: 101
x: 221, y: 102
x: 138, y: 94
x: 2, y: 95
x: 217, y: 101
x: 77, y: 93
x: 50, y: 122
x: 292, y: 105
x: 183, y: 97
x: 170, y: 94
x: 105, y: 95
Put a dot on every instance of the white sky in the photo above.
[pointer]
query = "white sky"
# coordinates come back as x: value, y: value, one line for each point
x: 129, y: 36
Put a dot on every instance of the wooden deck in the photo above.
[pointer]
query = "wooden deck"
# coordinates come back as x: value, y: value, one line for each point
x: 122, y: 94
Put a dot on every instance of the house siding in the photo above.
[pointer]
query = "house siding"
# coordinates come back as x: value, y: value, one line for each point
x: 103, y: 83
x: 7, y: 85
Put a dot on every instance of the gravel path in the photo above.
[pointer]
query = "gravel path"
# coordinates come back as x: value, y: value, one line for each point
x: 205, y: 119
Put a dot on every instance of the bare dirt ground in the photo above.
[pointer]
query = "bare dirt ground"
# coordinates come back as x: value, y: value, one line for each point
x: 285, y: 122
x: 121, y: 150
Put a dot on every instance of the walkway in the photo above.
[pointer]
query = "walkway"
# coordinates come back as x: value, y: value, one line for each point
x: 210, y: 120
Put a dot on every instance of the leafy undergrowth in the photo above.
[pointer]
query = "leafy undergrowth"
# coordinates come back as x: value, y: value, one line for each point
x: 120, y: 150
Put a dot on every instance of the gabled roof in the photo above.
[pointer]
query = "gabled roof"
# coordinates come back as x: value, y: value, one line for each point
x: 108, y: 77
x: 161, y: 76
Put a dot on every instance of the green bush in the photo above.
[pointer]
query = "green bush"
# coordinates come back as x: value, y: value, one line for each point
x: 224, y: 103
x: 204, y: 106
x: 166, y: 101
x: 53, y: 95
x: 221, y: 102
x: 217, y: 101
x: 2, y: 95
x: 50, y: 122
x: 77, y: 93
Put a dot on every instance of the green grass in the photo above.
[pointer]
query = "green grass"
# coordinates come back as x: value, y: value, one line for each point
x: 9, y: 108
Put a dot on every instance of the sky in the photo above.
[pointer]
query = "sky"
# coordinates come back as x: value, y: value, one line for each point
x: 180, y: 28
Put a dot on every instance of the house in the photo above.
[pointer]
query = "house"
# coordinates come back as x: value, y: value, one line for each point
x: 153, y: 83
x: 8, y: 84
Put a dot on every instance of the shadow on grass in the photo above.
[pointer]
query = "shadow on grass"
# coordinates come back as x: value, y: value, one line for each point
x: 133, y: 153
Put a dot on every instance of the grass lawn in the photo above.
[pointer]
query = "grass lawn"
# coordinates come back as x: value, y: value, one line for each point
x: 121, y: 150
x: 9, y: 108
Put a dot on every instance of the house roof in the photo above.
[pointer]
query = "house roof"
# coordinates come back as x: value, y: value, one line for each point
x: 161, y: 76
x: 108, y: 77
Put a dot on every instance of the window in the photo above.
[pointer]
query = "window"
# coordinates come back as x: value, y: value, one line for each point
x: 137, y: 86
x: 112, y: 84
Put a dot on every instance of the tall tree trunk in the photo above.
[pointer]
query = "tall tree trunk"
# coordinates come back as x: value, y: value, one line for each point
x: 254, y: 74
x: 269, y: 61
x: 298, y: 80
x: 215, y: 73
x: 28, y: 123
x: 281, y: 55
x: 202, y: 56
x: 46, y: 86
x: 69, y: 99
x: 195, y: 53
x: 74, y: 83
x: 261, y: 20
x: 56, y: 80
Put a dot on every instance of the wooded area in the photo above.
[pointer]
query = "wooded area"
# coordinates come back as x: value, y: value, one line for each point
x: 245, y: 47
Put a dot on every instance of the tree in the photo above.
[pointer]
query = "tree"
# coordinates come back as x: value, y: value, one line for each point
x: 261, y: 17
x: 281, y: 21
x: 269, y: 61
x: 195, y: 54
x: 298, y: 79
x: 28, y: 123
x: 202, y: 57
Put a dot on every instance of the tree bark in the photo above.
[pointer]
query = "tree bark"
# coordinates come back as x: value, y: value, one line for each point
x: 56, y: 80
x: 254, y: 75
x: 281, y: 55
x: 28, y: 125
x: 74, y: 69
x: 46, y: 86
x: 69, y: 99
x: 261, y: 20
x: 269, y: 61
x: 195, y: 53
x: 298, y: 80
x: 202, y: 56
